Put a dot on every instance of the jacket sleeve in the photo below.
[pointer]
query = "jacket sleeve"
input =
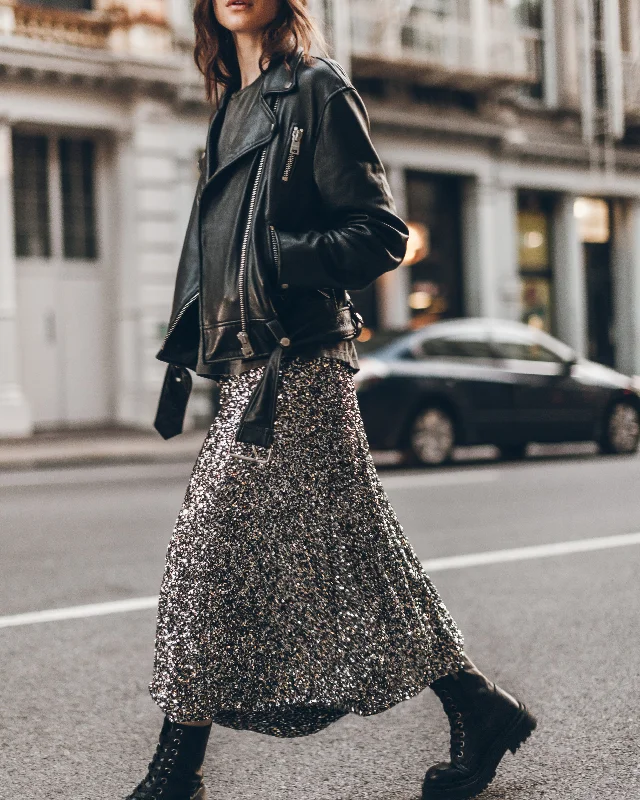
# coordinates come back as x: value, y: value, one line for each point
x: 366, y: 237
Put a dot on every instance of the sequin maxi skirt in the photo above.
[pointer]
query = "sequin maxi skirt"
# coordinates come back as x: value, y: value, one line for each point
x: 291, y: 596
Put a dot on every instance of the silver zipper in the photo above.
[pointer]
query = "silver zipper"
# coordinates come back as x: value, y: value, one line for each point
x: 274, y: 245
x: 243, y: 335
x: 179, y: 317
x: 294, y: 150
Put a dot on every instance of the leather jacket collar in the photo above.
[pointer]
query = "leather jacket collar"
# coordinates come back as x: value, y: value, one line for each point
x: 261, y: 125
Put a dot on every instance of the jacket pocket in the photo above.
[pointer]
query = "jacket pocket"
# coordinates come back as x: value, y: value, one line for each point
x: 295, y: 143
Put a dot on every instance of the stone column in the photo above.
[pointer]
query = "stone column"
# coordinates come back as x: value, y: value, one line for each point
x: 341, y: 34
x: 479, y: 12
x: 567, y: 57
x: 129, y: 359
x: 626, y: 284
x: 15, y: 419
x: 393, y: 287
x: 570, y: 305
x: 490, y: 249
x: 550, y: 48
x: 505, y: 232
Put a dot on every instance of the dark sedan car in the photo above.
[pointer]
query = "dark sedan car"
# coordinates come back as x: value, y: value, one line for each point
x: 480, y: 381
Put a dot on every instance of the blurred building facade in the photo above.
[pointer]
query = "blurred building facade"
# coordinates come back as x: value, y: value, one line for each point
x: 510, y: 131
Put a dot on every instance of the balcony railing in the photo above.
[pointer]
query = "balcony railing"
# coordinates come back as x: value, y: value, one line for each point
x: 401, y: 32
x: 82, y: 29
x: 114, y: 29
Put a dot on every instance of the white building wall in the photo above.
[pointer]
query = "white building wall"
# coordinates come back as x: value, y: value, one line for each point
x: 158, y: 175
x: 626, y: 284
x: 15, y: 419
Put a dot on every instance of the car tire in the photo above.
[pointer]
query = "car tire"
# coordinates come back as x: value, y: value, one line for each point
x: 621, y: 430
x: 513, y: 452
x: 432, y: 437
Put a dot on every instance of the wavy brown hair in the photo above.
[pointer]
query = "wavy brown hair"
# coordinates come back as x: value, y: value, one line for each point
x: 215, y: 52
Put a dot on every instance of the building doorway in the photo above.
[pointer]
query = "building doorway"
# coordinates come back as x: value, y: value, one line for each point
x: 594, y: 224
x: 61, y: 280
x: 434, y: 205
x: 535, y: 263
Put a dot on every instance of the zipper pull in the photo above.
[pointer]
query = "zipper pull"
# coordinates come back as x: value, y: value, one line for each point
x: 296, y: 138
x: 245, y: 344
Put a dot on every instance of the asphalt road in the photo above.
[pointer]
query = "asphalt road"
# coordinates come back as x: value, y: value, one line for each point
x: 562, y: 632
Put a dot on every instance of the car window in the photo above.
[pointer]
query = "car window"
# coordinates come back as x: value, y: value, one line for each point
x: 524, y: 351
x: 453, y: 347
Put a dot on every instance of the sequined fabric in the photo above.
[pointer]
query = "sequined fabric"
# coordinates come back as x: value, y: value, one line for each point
x: 291, y: 596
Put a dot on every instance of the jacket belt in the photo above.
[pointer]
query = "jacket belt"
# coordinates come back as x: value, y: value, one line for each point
x: 257, y: 421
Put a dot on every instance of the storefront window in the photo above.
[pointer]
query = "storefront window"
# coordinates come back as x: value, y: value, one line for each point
x: 594, y: 226
x: 433, y: 252
x: 535, y: 260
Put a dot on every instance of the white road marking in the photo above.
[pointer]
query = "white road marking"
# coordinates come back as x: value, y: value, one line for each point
x: 534, y: 551
x: 431, y: 565
x: 79, y: 612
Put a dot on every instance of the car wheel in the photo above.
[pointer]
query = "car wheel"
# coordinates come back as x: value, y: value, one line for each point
x: 621, y: 433
x: 513, y: 452
x: 432, y: 437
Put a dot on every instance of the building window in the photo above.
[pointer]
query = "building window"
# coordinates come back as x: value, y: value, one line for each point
x: 77, y: 167
x: 536, y: 276
x: 54, y: 197
x: 530, y: 17
x: 593, y: 216
x: 434, y: 255
x: 31, y: 196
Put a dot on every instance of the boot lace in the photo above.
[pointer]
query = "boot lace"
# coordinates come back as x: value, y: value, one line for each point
x: 159, y: 769
x: 456, y: 725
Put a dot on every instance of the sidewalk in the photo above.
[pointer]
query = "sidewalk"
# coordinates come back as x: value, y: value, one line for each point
x: 97, y: 446
x: 109, y: 446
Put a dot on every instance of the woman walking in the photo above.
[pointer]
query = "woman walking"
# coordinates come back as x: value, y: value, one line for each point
x: 290, y: 595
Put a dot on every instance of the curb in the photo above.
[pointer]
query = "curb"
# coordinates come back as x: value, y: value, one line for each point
x: 72, y: 452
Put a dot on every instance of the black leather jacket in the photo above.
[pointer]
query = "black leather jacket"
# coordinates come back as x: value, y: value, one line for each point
x: 296, y: 214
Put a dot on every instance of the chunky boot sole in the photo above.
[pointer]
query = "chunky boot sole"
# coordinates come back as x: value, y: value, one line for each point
x: 514, y: 736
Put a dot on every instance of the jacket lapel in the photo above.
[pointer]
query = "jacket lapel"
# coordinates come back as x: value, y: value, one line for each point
x: 260, y: 125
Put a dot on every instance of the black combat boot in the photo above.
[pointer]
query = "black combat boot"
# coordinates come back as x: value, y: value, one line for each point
x: 485, y: 722
x: 175, y: 771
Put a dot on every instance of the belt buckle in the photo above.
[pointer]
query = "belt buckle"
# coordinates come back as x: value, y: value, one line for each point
x: 255, y: 458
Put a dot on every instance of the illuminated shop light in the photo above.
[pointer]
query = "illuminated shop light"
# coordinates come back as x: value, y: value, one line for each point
x: 533, y: 239
x: 418, y: 243
x: 420, y: 300
x: 592, y: 215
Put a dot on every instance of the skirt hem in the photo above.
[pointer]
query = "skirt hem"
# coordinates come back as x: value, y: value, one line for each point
x: 241, y: 719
